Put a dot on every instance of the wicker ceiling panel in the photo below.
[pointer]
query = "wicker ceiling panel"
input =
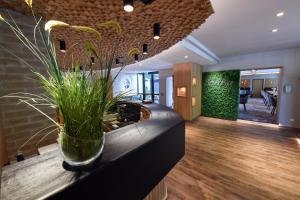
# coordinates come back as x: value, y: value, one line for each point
x: 177, y: 19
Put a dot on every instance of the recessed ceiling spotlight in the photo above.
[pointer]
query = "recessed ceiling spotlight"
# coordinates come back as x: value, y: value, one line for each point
x: 186, y: 57
x: 275, y: 30
x: 128, y: 5
x: 280, y: 14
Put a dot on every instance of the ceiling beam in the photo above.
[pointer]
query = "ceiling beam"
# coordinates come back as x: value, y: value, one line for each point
x: 194, y: 45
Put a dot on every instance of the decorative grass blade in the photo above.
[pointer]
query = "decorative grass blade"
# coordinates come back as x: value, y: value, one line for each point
x: 29, y: 3
x: 91, y: 48
x: 88, y: 30
x: 113, y: 24
x: 34, y: 135
x: 133, y: 51
x: 54, y: 23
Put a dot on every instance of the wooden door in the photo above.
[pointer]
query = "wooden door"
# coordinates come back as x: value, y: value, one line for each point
x: 257, y: 86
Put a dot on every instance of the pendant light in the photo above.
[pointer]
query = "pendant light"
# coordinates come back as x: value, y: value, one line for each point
x: 128, y: 5
x: 156, y: 31
x: 62, y: 45
x: 145, y: 49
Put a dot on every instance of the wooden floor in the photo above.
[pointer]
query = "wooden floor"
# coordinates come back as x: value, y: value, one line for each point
x: 236, y: 160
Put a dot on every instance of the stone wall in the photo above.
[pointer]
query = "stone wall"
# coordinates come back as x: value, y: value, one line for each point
x: 20, y: 121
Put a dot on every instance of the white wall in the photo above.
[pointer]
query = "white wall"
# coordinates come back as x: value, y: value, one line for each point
x: 123, y: 81
x: 289, y: 59
x: 261, y: 76
x: 163, y: 74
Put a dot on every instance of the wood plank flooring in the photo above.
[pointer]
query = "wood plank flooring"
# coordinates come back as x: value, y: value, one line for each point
x: 236, y: 160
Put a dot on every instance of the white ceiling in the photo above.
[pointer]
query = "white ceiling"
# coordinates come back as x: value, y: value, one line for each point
x: 166, y: 59
x: 237, y: 27
x: 245, y: 26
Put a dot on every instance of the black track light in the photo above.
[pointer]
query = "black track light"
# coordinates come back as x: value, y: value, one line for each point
x: 145, y: 48
x: 128, y: 5
x: 117, y: 61
x: 156, y: 31
x: 62, y: 45
x: 136, y: 57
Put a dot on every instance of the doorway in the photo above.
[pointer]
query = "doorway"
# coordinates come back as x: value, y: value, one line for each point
x: 260, y: 94
x: 169, y: 92
x: 257, y: 86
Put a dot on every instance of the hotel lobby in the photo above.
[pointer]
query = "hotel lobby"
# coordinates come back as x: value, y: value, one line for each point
x: 149, y: 99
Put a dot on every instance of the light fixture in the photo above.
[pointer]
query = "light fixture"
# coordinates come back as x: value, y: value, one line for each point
x: 145, y: 48
x: 117, y: 61
x: 128, y: 5
x: 93, y: 60
x: 62, y: 45
x: 181, y: 91
x: 156, y: 31
x: 280, y: 14
x: 186, y: 57
x: 193, y: 101
x: 136, y: 57
x: 194, y: 81
x: 275, y: 30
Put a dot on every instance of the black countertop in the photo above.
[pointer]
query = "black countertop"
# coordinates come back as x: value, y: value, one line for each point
x: 134, y: 160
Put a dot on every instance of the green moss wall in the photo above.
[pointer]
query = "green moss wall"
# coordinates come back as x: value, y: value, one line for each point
x: 220, y: 94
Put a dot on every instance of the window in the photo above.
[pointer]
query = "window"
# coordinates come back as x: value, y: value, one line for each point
x: 148, y: 86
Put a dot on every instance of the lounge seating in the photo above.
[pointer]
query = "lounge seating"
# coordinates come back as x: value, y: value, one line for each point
x: 244, y: 100
x: 270, y: 101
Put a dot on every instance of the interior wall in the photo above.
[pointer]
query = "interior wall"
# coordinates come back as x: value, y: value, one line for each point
x: 20, y: 121
x: 125, y: 82
x: 270, y: 80
x: 196, y: 91
x: 183, y: 99
x: 163, y: 74
x: 220, y: 91
x: 289, y: 59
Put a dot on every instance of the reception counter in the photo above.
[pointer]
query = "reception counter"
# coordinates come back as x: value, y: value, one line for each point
x: 135, y: 159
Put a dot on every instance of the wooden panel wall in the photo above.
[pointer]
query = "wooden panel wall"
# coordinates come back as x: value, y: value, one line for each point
x: 196, y: 90
x: 183, y: 75
x: 3, y: 151
x: 182, y: 78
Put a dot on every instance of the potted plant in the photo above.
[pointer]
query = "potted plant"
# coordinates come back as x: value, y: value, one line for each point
x: 82, y: 99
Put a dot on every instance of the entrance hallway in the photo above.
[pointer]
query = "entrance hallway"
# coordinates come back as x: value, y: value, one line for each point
x: 256, y: 111
x: 236, y: 160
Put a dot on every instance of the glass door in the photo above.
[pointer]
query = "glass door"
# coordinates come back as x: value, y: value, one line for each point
x: 148, y: 86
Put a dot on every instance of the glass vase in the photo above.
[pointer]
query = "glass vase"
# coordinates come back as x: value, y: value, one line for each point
x: 80, y: 152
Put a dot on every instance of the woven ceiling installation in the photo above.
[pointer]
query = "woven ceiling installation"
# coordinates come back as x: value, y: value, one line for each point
x: 177, y: 19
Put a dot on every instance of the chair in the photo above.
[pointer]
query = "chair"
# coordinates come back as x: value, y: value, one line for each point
x: 274, y: 104
x: 244, y: 100
x: 266, y: 98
